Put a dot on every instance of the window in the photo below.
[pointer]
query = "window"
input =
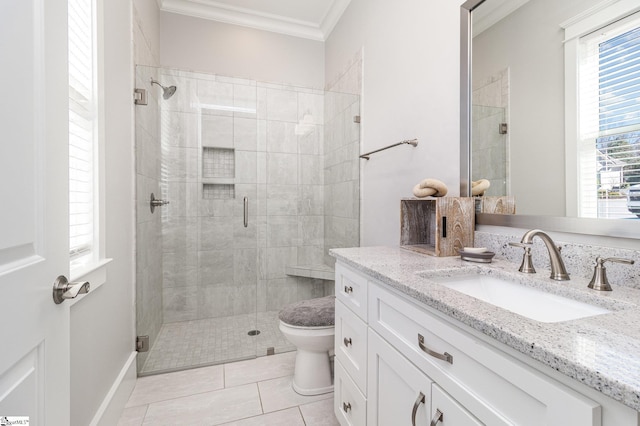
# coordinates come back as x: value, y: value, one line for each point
x: 82, y: 131
x: 609, y: 124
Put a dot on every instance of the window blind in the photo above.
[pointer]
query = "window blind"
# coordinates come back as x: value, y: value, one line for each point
x: 619, y: 81
x: 82, y: 128
x: 609, y: 145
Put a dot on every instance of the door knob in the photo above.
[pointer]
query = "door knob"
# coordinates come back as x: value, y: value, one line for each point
x: 63, y: 289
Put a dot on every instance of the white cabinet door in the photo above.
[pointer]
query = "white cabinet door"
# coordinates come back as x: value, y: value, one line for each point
x: 445, y: 411
x: 34, y: 247
x: 398, y: 393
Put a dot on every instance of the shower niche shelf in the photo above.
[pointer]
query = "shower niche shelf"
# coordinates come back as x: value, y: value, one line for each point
x: 218, y: 162
x: 218, y: 191
x: 218, y: 173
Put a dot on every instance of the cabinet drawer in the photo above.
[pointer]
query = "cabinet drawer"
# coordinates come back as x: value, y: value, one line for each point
x: 351, y: 289
x: 351, y: 345
x: 445, y: 411
x: 349, y: 405
x: 495, y: 387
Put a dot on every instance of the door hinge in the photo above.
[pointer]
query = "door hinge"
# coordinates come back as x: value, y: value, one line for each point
x: 142, y: 343
x: 140, y: 96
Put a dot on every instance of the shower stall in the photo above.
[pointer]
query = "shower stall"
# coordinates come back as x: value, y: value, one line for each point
x: 252, y: 184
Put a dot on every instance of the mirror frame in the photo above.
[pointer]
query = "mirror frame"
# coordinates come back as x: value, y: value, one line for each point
x: 617, y: 228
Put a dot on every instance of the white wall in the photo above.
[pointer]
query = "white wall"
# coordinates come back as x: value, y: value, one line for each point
x: 102, y: 330
x: 201, y: 45
x: 410, y: 90
x: 146, y: 32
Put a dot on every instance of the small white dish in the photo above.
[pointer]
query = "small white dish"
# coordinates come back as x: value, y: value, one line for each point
x: 474, y: 249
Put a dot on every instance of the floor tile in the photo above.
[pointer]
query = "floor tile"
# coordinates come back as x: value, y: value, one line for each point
x: 260, y: 369
x: 319, y: 413
x: 174, y: 385
x: 278, y: 394
x: 211, y: 408
x: 133, y: 416
x: 288, y: 417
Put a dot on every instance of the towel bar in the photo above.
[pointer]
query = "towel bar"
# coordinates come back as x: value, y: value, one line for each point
x: 412, y: 142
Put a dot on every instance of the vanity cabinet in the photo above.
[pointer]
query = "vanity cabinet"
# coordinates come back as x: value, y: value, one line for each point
x: 419, y: 363
x: 350, y: 366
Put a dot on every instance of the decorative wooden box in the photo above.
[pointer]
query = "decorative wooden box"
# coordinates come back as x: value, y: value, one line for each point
x: 497, y: 205
x: 437, y: 226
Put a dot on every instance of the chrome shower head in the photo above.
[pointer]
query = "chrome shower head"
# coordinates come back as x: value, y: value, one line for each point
x: 167, y: 92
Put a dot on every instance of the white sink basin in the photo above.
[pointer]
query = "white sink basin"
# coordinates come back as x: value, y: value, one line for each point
x: 526, y: 301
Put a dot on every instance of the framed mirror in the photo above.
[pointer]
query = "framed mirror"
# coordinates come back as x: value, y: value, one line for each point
x: 524, y: 109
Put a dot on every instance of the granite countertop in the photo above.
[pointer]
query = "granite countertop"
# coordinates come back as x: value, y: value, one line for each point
x: 602, y: 352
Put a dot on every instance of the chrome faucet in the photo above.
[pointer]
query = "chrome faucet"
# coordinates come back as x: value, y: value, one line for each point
x: 558, y: 270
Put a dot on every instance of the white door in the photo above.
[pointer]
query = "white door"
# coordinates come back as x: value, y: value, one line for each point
x: 34, y: 332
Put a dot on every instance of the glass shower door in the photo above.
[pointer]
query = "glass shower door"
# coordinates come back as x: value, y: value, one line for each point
x: 202, y: 309
x: 490, y: 157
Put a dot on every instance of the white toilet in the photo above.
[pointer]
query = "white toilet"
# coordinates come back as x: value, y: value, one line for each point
x: 310, y: 326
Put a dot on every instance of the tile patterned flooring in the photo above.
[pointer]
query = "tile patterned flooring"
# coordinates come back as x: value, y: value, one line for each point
x: 256, y: 392
x: 203, y: 342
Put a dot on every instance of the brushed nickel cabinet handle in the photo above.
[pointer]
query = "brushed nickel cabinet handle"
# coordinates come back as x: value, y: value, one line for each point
x: 348, y: 289
x: 419, y: 400
x: 445, y: 356
x: 437, y: 418
x: 346, y: 407
x: 347, y: 342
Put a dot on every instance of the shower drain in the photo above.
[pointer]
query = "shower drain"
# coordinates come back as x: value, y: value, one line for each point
x: 253, y: 332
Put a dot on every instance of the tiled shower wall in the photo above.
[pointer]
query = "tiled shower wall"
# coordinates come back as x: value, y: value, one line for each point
x: 341, y: 161
x: 225, y: 139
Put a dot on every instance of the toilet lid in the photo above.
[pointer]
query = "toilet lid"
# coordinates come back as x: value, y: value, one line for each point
x: 318, y: 312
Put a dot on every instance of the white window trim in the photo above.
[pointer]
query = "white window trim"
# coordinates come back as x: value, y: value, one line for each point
x: 600, y: 15
x: 95, y: 271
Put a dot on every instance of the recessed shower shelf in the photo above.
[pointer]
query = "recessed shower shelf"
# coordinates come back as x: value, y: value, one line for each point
x: 216, y: 191
x: 218, y: 181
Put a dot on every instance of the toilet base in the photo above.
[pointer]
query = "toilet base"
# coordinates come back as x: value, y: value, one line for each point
x: 312, y: 374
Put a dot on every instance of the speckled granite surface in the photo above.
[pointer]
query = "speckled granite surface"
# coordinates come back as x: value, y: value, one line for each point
x: 603, y: 351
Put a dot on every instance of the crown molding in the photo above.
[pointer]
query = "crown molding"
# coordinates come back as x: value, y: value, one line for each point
x: 210, y: 9
x: 332, y: 16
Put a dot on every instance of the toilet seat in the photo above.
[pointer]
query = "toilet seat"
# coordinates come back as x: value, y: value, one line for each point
x: 309, y: 325
x: 319, y: 312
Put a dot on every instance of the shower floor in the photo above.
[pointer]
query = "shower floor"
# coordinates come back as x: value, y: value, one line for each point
x: 196, y: 343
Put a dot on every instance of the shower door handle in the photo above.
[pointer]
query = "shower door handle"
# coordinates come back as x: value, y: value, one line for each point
x: 246, y: 211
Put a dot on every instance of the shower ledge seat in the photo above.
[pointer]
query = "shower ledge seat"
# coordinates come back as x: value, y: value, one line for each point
x: 323, y: 272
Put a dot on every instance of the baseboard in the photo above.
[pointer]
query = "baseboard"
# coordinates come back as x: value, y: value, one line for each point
x: 113, y: 404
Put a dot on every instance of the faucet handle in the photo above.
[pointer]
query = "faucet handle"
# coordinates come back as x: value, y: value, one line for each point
x: 527, y: 261
x: 599, y: 280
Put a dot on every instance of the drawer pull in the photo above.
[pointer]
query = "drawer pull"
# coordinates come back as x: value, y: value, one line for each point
x: 437, y: 418
x: 346, y: 407
x: 348, y: 289
x: 347, y: 342
x: 445, y: 357
x: 416, y: 404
